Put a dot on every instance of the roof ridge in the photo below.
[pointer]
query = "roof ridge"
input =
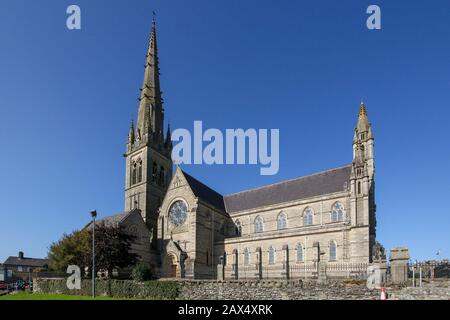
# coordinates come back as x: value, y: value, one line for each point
x: 288, y: 180
x: 125, y: 213
x: 190, y: 176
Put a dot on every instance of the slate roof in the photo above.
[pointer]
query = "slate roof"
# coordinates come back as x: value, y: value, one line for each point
x: 317, y: 184
x: 204, y: 192
x: 111, y: 221
x: 26, y: 262
x: 313, y: 185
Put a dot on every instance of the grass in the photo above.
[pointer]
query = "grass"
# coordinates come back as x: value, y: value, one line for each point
x: 39, y: 296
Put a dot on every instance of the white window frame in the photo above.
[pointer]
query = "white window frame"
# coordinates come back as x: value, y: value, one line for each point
x: 334, y: 243
x: 300, y: 246
x: 310, y: 213
x: 337, y: 217
x: 282, y: 215
x: 259, y: 219
x: 274, y: 256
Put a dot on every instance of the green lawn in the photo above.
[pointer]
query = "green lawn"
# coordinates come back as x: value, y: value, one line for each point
x: 39, y: 296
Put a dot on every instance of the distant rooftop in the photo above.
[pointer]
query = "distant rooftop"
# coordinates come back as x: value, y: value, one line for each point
x: 21, y: 260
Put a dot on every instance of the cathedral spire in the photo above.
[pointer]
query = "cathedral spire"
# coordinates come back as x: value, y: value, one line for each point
x: 150, y: 118
x: 150, y: 88
x: 363, y: 120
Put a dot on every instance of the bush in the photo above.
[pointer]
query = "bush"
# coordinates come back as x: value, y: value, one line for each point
x: 113, y: 288
x: 141, y: 272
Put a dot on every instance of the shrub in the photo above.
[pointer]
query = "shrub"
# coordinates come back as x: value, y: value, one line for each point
x: 113, y: 288
x: 141, y: 272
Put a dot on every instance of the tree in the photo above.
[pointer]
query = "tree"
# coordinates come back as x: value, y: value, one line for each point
x: 112, y: 248
x: 71, y: 249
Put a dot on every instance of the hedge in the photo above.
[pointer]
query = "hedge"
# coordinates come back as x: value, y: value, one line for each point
x: 112, y: 288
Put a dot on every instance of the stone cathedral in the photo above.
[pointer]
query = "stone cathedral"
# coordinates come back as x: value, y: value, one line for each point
x: 185, y: 229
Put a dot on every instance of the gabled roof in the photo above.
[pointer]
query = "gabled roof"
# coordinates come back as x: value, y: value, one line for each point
x: 204, y: 192
x: 113, y: 220
x: 322, y: 183
x: 326, y: 182
x: 27, y: 262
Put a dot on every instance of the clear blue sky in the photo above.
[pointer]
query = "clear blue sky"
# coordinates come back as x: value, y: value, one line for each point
x: 67, y: 97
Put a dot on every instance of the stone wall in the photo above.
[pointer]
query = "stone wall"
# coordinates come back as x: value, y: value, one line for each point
x: 274, y: 290
x: 247, y: 290
x: 438, y: 289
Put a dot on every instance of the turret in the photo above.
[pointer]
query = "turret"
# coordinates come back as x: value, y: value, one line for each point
x: 131, y: 133
x: 363, y: 136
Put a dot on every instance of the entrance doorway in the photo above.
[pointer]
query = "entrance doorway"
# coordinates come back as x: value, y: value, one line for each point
x: 172, y: 266
x: 173, y: 271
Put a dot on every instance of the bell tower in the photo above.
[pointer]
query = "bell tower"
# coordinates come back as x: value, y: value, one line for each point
x: 148, y: 151
x: 362, y: 180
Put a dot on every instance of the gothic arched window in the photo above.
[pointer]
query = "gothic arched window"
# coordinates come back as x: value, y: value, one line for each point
x: 281, y: 221
x: 133, y: 173
x: 259, y: 225
x: 300, y: 253
x: 337, y: 212
x: 154, y: 171
x: 271, y: 255
x: 246, y: 257
x: 237, y: 228
x: 139, y: 172
x: 308, y: 216
x: 333, y: 249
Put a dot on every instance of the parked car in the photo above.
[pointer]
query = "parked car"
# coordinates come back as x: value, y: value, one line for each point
x: 3, y: 285
x: 28, y: 285
x: 19, y: 285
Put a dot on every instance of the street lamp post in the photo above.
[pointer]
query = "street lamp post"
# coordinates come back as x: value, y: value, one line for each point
x: 93, y: 215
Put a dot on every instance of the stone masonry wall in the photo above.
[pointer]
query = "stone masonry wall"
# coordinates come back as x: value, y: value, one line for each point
x: 249, y: 290
x: 274, y: 290
x: 438, y: 289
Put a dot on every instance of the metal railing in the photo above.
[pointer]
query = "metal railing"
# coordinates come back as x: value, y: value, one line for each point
x: 297, y: 270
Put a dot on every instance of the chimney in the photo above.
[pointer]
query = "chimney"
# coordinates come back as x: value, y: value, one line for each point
x: 20, y: 254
